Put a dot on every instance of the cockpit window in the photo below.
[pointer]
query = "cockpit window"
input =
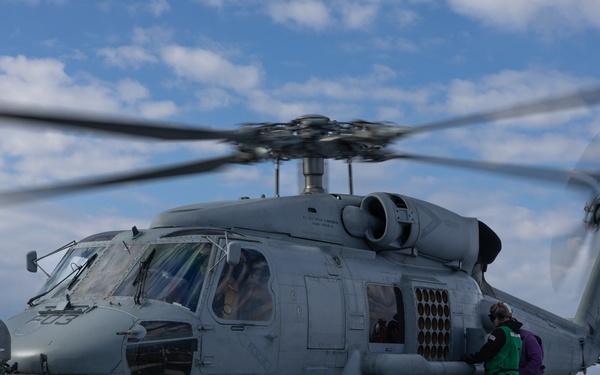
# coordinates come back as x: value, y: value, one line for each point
x: 108, y: 270
x: 172, y: 273
x: 243, y: 292
x: 66, y: 270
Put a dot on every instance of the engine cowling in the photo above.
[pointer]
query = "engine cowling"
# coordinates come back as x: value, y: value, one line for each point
x: 391, y: 221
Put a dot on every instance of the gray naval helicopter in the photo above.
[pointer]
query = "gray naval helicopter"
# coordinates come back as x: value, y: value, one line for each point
x: 314, y: 284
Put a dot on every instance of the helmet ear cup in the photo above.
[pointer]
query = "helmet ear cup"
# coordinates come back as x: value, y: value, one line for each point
x: 500, y: 312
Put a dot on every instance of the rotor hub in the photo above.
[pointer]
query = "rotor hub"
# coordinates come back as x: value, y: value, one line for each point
x: 313, y: 119
x: 318, y: 136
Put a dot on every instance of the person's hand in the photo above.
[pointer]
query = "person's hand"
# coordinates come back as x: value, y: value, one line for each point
x: 468, y: 358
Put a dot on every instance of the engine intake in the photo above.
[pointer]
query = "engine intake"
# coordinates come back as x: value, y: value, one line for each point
x: 391, y: 221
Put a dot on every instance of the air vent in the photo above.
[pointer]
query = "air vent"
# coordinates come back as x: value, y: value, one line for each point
x: 433, y: 322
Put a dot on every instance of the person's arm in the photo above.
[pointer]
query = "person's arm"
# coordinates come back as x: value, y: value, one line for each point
x: 494, y: 343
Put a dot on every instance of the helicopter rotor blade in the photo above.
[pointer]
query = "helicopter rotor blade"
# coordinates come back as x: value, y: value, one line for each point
x: 195, y: 167
x: 581, y: 98
x: 581, y: 245
x: 564, y: 251
x: 578, y: 179
x: 567, y: 248
x: 122, y: 126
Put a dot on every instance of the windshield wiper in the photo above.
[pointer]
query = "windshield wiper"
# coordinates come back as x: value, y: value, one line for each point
x: 78, y: 270
x: 140, y: 278
x: 30, y: 302
x: 81, y: 269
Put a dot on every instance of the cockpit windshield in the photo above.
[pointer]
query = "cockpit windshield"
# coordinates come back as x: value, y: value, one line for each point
x: 169, y: 272
x: 66, y: 269
x: 104, y: 277
x: 172, y: 273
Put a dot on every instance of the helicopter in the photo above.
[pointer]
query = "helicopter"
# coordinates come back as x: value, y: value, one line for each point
x: 316, y: 284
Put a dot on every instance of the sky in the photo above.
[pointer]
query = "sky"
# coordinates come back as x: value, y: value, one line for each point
x: 220, y: 63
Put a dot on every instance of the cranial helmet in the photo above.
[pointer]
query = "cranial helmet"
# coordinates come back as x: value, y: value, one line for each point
x: 500, y: 310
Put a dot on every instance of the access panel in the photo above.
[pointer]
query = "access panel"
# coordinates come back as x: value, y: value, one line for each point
x: 326, y: 313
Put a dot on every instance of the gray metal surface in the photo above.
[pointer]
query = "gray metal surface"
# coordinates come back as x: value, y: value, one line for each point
x: 298, y: 296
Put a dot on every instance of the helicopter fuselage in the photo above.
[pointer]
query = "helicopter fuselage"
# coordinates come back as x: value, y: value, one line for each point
x: 316, y: 284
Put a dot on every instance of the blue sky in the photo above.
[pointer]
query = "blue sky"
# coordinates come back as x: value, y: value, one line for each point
x: 219, y: 63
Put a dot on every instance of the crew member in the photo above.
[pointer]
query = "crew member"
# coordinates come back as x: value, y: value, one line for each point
x: 532, y: 354
x: 501, y: 353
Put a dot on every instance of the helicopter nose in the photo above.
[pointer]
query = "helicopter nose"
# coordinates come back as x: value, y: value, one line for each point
x: 74, y: 342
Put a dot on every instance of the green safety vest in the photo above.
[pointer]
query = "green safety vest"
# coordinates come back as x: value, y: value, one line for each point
x: 506, y: 361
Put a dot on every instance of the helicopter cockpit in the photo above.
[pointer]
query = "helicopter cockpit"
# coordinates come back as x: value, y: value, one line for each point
x: 149, y: 285
x: 168, y: 272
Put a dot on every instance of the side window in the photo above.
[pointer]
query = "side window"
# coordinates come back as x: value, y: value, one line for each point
x: 386, y: 314
x: 243, y: 291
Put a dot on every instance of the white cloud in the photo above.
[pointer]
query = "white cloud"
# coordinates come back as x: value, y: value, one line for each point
x: 263, y: 102
x: 213, y: 98
x: 511, y: 87
x: 503, y: 145
x: 348, y: 96
x: 358, y: 15
x: 158, y: 109
x: 315, y: 87
x: 45, y: 83
x: 131, y: 91
x: 312, y: 14
x: 40, y: 155
x: 151, y: 36
x: 557, y: 139
x: 158, y: 7
x: 319, y: 15
x: 546, y: 17
x: 210, y: 68
x: 154, y: 7
x: 126, y: 56
x: 213, y: 3
x: 36, y: 2
x: 20, y: 69
x: 403, y: 16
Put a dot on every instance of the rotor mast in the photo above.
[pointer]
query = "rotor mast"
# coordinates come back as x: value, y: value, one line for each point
x: 313, y: 169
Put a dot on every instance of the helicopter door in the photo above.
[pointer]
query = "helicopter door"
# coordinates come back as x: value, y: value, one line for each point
x: 240, y: 329
x: 326, y: 313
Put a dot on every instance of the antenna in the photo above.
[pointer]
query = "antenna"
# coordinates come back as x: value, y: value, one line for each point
x: 350, y: 181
